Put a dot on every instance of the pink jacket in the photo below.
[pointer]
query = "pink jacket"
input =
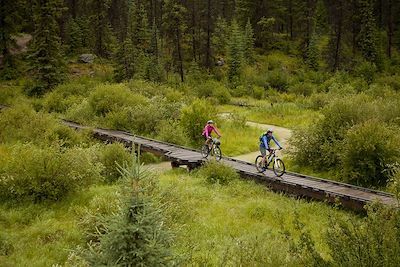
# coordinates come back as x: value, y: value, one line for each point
x: 208, y: 130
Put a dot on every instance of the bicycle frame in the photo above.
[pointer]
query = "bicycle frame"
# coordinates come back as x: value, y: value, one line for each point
x: 271, y: 157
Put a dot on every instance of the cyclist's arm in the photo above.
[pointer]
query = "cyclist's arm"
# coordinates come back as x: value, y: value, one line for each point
x: 276, y: 142
x: 217, y: 131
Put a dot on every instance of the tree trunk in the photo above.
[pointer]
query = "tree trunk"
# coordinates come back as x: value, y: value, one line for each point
x: 390, y: 30
x: 208, y: 52
x: 291, y: 19
x: 178, y: 38
x: 193, y: 30
x: 336, y: 64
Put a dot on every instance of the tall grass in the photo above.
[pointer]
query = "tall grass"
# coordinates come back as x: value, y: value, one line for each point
x: 43, y: 234
x: 237, y: 224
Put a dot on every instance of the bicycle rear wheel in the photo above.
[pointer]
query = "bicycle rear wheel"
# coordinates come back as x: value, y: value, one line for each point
x: 205, y: 151
x: 217, y: 153
x: 279, y: 167
x: 259, y: 163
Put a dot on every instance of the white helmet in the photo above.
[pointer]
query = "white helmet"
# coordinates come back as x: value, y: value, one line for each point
x: 210, y: 122
x: 270, y: 130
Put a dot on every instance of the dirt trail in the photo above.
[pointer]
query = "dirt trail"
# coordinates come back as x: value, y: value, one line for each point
x: 282, y: 134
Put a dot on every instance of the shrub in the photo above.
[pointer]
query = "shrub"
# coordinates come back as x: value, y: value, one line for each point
x: 319, y: 145
x: 193, y: 119
x: 258, y: 92
x: 111, y: 156
x: 148, y: 89
x: 303, y: 88
x: 392, y: 81
x: 366, y: 70
x: 370, y: 241
x: 172, y: 132
x: 37, y: 174
x: 215, y: 172
x: 109, y: 97
x: 369, y: 153
x: 238, y: 120
x: 22, y: 123
x: 278, y: 79
x: 8, y: 94
x: 215, y: 89
x: 82, y: 112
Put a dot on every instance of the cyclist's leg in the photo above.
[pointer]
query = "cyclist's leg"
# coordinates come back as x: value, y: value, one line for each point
x: 263, y: 152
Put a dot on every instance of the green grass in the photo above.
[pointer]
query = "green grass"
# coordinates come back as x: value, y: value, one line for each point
x: 238, y: 224
x: 44, y: 234
x: 239, y: 140
x: 286, y: 114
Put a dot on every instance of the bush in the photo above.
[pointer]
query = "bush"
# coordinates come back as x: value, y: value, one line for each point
x: 366, y: 70
x: 193, y: 119
x: 370, y: 241
x: 172, y: 132
x: 109, y: 97
x: 111, y: 156
x: 278, y: 79
x: 258, y: 92
x: 81, y: 113
x: 303, y: 88
x: 319, y: 145
x: 33, y: 173
x: 369, y: 153
x: 21, y: 123
x: 215, y: 172
x: 8, y: 94
x: 215, y: 89
x: 392, y: 81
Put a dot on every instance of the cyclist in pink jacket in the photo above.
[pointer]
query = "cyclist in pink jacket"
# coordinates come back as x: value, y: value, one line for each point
x: 208, y: 129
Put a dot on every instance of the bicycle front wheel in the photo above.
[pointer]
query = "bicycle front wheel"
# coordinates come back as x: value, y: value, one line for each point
x: 279, y: 167
x: 217, y: 153
x: 205, y: 151
x: 259, y: 163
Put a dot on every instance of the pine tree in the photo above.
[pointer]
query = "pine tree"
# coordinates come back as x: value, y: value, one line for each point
x: 8, y: 27
x: 248, y: 42
x: 104, y: 39
x: 125, y: 67
x: 220, y: 37
x: 136, y: 235
x: 47, y: 63
x: 368, y: 38
x: 236, y: 49
x: 154, y: 70
x: 74, y: 36
x: 174, y: 25
x: 312, y: 53
x: 142, y: 33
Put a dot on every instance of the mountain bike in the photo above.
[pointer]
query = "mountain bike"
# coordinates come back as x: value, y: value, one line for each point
x: 278, y: 166
x: 213, y: 149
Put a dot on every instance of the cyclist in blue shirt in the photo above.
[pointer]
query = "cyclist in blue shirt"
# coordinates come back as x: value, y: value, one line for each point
x: 265, y: 139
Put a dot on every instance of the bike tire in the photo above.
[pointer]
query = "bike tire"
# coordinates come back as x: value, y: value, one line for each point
x: 217, y: 153
x: 205, y: 151
x: 279, y: 167
x: 259, y: 163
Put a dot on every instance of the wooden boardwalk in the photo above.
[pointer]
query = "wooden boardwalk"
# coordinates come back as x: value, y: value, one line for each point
x: 349, y: 196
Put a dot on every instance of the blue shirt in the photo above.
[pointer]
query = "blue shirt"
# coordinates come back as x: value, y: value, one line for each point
x: 266, y: 139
